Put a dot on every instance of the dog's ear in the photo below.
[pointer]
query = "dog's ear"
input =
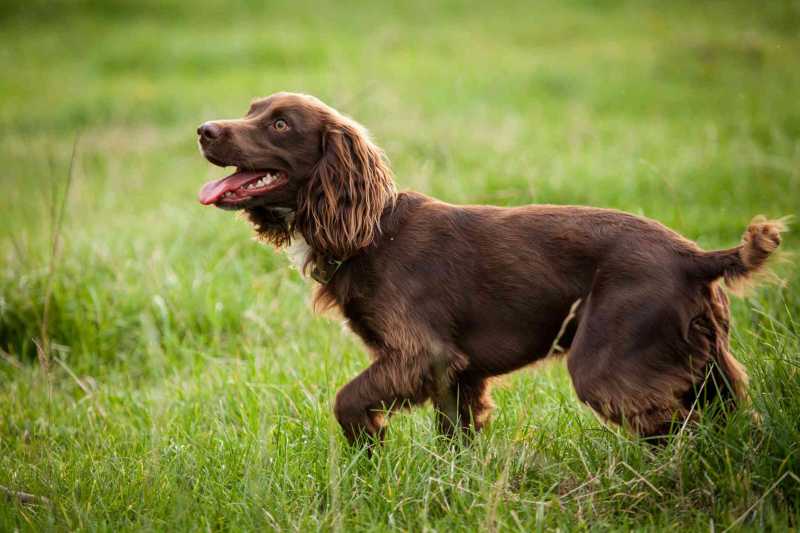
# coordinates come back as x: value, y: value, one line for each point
x: 340, y: 207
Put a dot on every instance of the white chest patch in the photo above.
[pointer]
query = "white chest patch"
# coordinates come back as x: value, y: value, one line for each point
x: 298, y: 252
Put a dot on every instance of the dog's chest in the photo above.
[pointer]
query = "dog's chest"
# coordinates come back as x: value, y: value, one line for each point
x: 298, y: 252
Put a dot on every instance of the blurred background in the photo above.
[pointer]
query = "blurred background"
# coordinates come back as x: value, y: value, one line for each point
x: 152, y: 312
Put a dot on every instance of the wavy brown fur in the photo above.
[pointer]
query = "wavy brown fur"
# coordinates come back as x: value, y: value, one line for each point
x: 339, y: 209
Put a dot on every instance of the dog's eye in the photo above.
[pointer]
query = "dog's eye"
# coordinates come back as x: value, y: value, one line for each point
x: 280, y: 125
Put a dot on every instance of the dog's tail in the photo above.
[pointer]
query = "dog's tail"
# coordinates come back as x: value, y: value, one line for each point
x: 741, y: 266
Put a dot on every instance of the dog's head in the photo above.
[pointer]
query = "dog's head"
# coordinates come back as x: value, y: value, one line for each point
x: 300, y: 165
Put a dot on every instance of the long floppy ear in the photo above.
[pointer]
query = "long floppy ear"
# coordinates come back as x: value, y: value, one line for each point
x: 340, y: 208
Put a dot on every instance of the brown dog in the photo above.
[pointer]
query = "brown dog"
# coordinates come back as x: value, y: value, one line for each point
x: 445, y: 297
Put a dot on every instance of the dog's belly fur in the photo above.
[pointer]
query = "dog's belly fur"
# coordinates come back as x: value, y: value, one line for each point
x: 499, y: 348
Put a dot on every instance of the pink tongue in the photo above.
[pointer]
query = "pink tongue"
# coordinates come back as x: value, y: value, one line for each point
x: 213, y: 190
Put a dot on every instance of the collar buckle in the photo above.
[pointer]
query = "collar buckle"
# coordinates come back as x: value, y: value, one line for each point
x: 324, y: 269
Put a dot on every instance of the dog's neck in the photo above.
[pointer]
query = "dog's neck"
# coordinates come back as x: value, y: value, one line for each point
x: 304, y: 260
x: 275, y: 226
x: 298, y: 251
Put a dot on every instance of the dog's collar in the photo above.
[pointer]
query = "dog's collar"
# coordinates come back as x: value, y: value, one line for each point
x: 324, y: 269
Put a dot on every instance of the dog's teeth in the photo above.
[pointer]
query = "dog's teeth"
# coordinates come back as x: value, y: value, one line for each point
x: 267, y: 179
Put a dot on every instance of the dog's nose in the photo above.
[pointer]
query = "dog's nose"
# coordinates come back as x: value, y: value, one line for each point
x: 209, y: 130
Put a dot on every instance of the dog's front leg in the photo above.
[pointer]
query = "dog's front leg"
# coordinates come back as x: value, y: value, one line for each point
x: 448, y: 417
x: 465, y: 404
x: 390, y: 382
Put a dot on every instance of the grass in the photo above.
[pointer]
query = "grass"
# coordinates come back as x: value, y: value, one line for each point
x: 181, y: 381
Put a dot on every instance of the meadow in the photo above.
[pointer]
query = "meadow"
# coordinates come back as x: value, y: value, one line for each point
x: 162, y: 371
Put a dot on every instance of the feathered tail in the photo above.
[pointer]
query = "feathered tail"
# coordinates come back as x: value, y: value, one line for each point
x: 740, y: 265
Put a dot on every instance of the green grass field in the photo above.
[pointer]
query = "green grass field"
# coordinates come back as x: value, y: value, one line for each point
x: 181, y: 381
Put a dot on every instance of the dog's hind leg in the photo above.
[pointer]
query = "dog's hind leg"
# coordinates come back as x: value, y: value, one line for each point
x: 637, y: 358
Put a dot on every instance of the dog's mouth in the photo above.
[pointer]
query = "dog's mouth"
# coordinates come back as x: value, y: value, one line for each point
x: 241, y: 187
